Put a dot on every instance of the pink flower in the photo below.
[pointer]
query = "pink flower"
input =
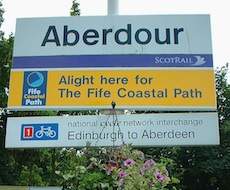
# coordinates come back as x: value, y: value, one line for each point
x: 111, y: 166
x: 147, y: 165
x: 129, y: 162
x: 122, y: 174
x: 159, y: 176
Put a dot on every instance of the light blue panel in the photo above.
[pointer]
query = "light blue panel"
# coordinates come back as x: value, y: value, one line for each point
x: 194, y: 39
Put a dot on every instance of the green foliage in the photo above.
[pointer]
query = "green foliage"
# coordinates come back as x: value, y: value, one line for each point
x: 223, y: 93
x: 8, y: 172
x: 6, y: 49
x: 7, y: 159
x: 78, y: 170
x: 93, y: 181
x: 31, y: 176
x: 75, y: 11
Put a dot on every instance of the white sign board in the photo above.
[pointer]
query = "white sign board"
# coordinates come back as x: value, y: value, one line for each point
x: 142, y: 34
x: 136, y: 129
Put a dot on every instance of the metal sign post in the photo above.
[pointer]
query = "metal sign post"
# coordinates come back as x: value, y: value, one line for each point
x: 112, y: 7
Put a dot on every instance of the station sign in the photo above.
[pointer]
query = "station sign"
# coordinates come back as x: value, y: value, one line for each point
x: 165, y: 129
x: 160, y: 62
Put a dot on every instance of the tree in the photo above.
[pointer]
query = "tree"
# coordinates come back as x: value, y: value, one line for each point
x: 75, y: 11
x: 6, y: 49
x: 7, y: 160
x: 209, y: 167
x: 223, y: 93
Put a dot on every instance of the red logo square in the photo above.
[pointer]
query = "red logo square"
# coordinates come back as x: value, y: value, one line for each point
x: 28, y: 132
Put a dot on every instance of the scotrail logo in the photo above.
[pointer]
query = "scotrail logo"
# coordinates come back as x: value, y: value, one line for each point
x: 199, y: 60
x: 183, y: 60
x: 43, y: 131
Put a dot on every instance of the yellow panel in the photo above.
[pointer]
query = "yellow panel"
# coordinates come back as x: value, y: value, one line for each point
x: 169, y: 88
x: 16, y: 86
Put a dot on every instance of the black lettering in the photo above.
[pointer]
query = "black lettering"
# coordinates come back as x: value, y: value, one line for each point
x: 62, y: 80
x: 167, y: 36
x: 127, y: 31
x: 176, y: 34
x: 121, y: 92
x: 71, y: 135
x: 122, y: 36
x: 55, y: 38
x: 67, y: 33
x: 89, y: 34
x: 105, y: 32
x: 137, y: 36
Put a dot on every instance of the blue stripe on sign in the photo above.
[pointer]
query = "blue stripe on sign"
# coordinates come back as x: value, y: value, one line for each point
x: 80, y: 61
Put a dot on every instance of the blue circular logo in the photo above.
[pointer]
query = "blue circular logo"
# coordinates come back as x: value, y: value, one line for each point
x: 35, y: 79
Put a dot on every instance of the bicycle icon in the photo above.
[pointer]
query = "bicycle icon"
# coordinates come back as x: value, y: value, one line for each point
x: 47, y: 131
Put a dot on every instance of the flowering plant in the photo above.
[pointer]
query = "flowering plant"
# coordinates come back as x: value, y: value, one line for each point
x: 120, y: 168
x: 134, y: 172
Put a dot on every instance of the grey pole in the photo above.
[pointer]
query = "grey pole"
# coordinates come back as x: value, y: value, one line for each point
x: 112, y: 7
